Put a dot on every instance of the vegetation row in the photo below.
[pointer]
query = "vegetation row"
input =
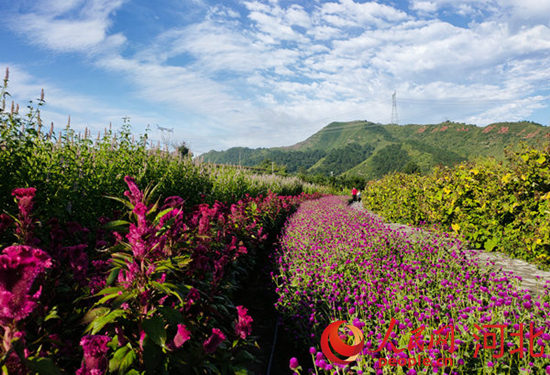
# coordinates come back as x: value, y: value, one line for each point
x: 497, y: 206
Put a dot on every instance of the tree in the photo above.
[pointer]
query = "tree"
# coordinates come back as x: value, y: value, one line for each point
x: 183, y: 150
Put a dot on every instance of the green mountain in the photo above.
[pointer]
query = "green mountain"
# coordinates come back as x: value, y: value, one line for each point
x: 370, y: 150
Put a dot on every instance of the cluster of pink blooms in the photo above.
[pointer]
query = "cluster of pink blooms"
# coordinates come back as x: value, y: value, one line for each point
x: 20, y: 266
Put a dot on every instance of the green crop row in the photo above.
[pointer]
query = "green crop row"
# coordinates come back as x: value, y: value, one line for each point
x: 73, y: 173
x: 497, y: 206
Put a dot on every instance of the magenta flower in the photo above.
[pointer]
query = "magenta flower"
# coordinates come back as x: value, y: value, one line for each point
x: 243, y: 328
x: 181, y: 336
x: 25, y: 225
x: 211, y: 344
x: 95, y: 355
x: 24, y: 197
x: 293, y: 364
x: 173, y: 201
x: 135, y: 195
x: 19, y: 266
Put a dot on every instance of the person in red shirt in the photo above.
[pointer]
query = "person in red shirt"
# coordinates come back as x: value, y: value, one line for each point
x: 353, y: 194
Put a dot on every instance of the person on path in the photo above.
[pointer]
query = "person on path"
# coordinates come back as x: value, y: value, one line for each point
x: 359, y: 196
x: 353, y: 194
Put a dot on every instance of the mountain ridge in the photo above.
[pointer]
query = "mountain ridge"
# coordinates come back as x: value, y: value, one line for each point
x: 370, y: 150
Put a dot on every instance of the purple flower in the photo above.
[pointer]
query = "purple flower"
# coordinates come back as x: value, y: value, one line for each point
x: 19, y: 266
x: 181, y: 336
x: 243, y: 328
x: 293, y: 364
x: 211, y: 344
x: 95, y: 355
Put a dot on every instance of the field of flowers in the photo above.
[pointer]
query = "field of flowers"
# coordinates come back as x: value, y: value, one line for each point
x: 154, y: 293
x: 496, y: 206
x: 101, y: 272
x: 403, y: 291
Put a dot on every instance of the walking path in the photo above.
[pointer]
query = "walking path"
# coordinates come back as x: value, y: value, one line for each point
x: 532, y: 278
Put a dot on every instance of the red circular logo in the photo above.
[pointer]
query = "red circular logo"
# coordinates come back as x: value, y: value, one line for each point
x: 330, y: 337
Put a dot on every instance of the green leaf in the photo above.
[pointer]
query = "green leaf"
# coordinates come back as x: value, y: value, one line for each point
x: 116, y: 362
x: 42, y: 366
x: 52, y: 314
x: 112, y: 276
x: 95, y: 313
x: 154, y: 328
x: 123, y: 201
x: 491, y: 244
x: 168, y: 288
x: 112, y: 225
x: 127, y: 361
x: 99, y: 323
x: 107, y: 297
x: 161, y: 214
x: 170, y: 315
x: 109, y: 290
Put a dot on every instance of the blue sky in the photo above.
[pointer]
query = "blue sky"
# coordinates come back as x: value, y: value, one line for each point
x: 271, y: 73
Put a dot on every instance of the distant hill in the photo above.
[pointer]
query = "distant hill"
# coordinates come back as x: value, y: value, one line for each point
x: 370, y: 150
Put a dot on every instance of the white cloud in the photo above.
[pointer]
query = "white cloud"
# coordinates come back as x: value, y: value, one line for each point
x: 70, y: 26
x: 273, y: 73
x: 424, y: 6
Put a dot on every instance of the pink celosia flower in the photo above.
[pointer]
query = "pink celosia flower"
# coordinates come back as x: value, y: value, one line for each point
x: 181, y: 336
x: 24, y: 198
x: 95, y: 355
x: 173, y: 201
x: 126, y: 277
x: 25, y: 225
x: 211, y: 344
x: 19, y: 266
x: 135, y: 195
x: 243, y: 328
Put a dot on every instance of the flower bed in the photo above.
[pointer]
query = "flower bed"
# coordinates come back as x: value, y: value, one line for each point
x: 150, y: 292
x: 341, y: 264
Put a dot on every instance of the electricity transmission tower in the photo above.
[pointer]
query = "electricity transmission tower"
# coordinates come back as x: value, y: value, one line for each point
x: 394, y: 117
x: 164, y: 136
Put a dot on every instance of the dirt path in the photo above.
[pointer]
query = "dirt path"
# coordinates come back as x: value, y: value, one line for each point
x: 532, y: 278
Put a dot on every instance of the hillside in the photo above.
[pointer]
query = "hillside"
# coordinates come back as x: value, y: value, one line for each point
x: 371, y: 150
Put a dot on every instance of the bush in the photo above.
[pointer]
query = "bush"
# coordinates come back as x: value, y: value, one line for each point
x: 495, y: 205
